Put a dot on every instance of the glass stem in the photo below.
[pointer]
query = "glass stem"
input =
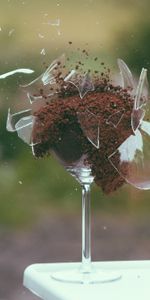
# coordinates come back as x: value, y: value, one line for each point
x: 86, y: 229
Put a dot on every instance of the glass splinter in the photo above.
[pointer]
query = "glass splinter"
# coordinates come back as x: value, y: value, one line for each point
x: 12, y: 119
x: 115, y: 118
x: 83, y: 83
x: 70, y: 75
x: 132, y: 158
x: 25, y: 71
x: 24, y: 129
x: 21, y: 122
x: 127, y: 78
x: 90, y: 126
x: 50, y: 75
x: 86, y: 85
x: 47, y: 84
x: 145, y: 126
x: 141, y: 99
x: 136, y: 118
x: 141, y: 94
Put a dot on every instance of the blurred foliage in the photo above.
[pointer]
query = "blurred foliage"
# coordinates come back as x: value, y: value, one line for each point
x: 108, y: 29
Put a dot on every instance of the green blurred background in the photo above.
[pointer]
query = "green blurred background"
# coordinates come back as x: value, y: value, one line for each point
x: 108, y: 29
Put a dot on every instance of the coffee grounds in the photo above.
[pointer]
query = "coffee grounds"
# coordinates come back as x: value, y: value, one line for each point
x: 58, y: 129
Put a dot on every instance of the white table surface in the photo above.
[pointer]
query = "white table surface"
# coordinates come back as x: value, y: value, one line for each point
x: 134, y: 284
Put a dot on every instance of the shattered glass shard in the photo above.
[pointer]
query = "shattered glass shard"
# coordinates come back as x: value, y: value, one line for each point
x: 141, y: 101
x: 132, y: 158
x: 24, y: 129
x: 86, y: 85
x: 25, y: 71
x: 115, y: 118
x: 23, y: 123
x: 12, y: 119
x: 90, y: 126
x: 70, y: 75
x: 34, y: 89
x: 83, y: 83
x: 55, y: 70
x: 141, y: 94
x: 127, y: 78
x: 48, y: 83
x: 33, y: 98
x: 137, y: 118
x: 145, y: 126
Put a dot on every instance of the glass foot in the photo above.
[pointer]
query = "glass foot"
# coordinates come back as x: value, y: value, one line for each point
x: 80, y: 277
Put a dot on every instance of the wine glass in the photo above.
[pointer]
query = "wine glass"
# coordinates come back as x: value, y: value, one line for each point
x: 69, y: 150
x: 69, y: 153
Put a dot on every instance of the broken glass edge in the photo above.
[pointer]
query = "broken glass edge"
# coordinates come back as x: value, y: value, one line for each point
x: 98, y: 129
x: 29, y: 124
x: 31, y: 82
x: 72, y: 72
x: 33, y: 98
x: 45, y: 78
x: 125, y: 74
x: 84, y: 83
x: 10, y: 73
x: 97, y: 146
x: 9, y: 125
x: 80, y: 86
x: 145, y: 126
x: 26, y: 124
x: 140, y: 121
x: 136, y: 185
x: 139, y: 89
x: 52, y: 66
x: 26, y: 138
x: 110, y: 122
x: 46, y: 75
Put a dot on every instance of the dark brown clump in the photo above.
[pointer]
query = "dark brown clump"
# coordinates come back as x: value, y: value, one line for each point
x: 58, y: 129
